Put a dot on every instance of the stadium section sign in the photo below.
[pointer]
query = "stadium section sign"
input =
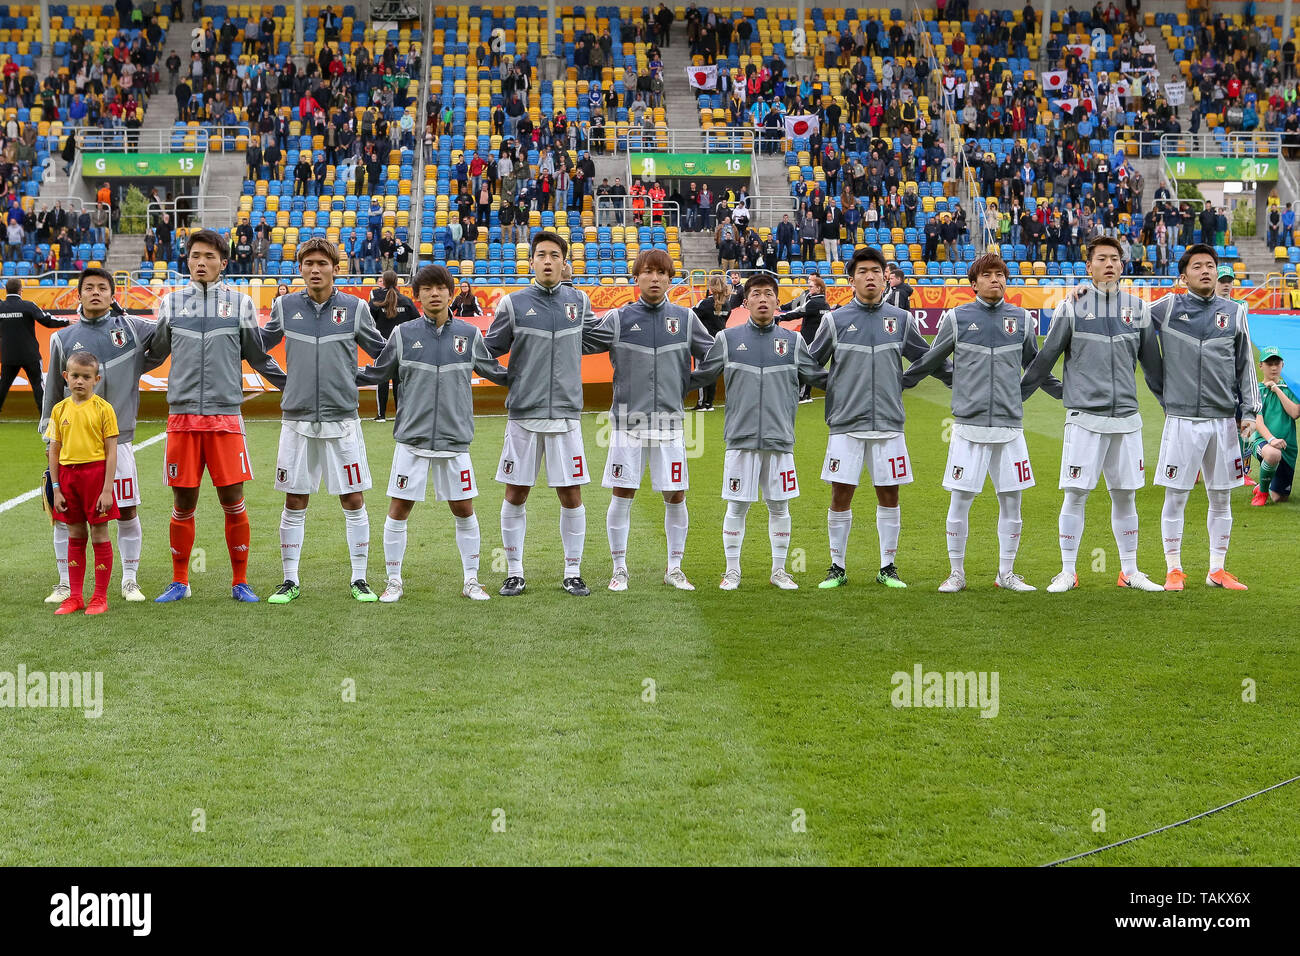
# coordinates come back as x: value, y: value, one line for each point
x: 141, y: 165
x: 1213, y: 168
x: 706, y: 165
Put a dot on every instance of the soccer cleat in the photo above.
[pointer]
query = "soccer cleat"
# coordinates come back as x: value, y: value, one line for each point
x: 619, y: 581
x: 1012, y: 582
x: 513, y: 587
x: 836, y: 577
x: 1067, y: 581
x: 1222, y: 579
x: 243, y: 593
x: 955, y: 582
x: 131, y: 592
x: 60, y: 594
x: 1138, y: 582
x: 781, y: 579
x: 393, y: 592
x: 361, y: 592
x: 1259, y: 498
x: 176, y: 591
x: 576, y: 586
x: 677, y: 578
x: 97, y: 606
x: 1248, y: 481
x: 730, y: 581
x: 888, y: 576
x: 474, y: 591
x: 380, y: 418
x: 1175, y: 580
x: 70, y: 605
x: 286, y: 592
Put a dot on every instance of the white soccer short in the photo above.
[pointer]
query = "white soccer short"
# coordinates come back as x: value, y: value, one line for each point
x: 1007, y: 463
x: 453, y: 478
x: 747, y: 473
x: 126, y: 483
x: 1087, y: 455
x: 303, y: 460
x: 1211, y: 448
x: 626, y: 462
x: 566, y: 462
x: 886, y: 460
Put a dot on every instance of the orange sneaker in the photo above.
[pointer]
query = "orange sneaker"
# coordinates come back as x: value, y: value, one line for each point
x: 1260, y: 498
x: 71, y: 605
x: 1222, y: 579
x: 1248, y: 481
x: 97, y: 606
x: 1175, y: 580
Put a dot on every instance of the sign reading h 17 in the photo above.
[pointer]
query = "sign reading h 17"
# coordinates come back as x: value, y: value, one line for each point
x: 1225, y: 169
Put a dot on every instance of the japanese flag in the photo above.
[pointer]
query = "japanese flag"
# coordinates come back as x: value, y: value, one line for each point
x: 703, y: 77
x: 1121, y: 87
x: 800, y: 126
x: 1054, y: 80
x: 1082, y: 50
x: 1068, y: 106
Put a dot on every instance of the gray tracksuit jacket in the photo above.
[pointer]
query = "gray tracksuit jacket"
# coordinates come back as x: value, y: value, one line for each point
x: 1104, y: 335
x: 650, y: 347
x: 434, y: 369
x: 119, y: 342
x: 1209, y: 366
x: 321, y: 350
x: 990, y: 344
x: 865, y: 345
x: 542, y: 330
x: 209, y: 331
x: 762, y: 369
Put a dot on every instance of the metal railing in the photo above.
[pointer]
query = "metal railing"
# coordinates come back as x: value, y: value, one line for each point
x: 619, y: 211
x: 1234, y: 146
x: 108, y: 139
x: 718, y: 139
x: 770, y: 208
x: 214, y: 212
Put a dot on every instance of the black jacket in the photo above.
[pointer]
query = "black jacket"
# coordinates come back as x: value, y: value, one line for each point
x: 406, y: 311
x: 900, y: 297
x: 714, y: 319
x: 810, y: 308
x: 18, y: 320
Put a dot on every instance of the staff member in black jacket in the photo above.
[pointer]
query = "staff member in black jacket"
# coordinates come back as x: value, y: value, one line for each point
x: 19, y: 350
x: 810, y: 307
x: 466, y: 304
x: 900, y: 293
x: 713, y: 311
x: 389, y: 308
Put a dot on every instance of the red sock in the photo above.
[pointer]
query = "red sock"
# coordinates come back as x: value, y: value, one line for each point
x: 103, y: 569
x: 238, y: 535
x: 77, y: 567
x: 182, y: 539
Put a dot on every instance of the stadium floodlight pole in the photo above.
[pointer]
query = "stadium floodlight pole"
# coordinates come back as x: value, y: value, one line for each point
x: 1286, y: 20
x: 1045, y: 29
x: 550, y: 29
x: 297, y: 26
x: 45, y: 27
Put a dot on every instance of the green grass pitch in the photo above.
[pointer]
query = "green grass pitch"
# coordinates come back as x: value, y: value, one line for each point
x: 520, y: 731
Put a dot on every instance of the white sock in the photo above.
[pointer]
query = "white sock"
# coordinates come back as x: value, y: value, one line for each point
x: 61, y: 551
x: 889, y: 522
x: 573, y: 534
x: 1070, y: 528
x: 1218, y: 521
x: 292, y: 527
x: 1009, y: 524
x: 514, y: 523
x: 778, y: 532
x: 467, y: 540
x: 617, y: 521
x: 357, y: 524
x: 394, y: 547
x: 676, y: 524
x: 130, y: 537
x: 838, y: 526
x: 1171, y: 526
x: 1124, y: 525
x: 958, y: 529
x: 733, y: 533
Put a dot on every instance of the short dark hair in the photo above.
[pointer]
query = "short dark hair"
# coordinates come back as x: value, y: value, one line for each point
x: 1105, y: 242
x: 758, y: 280
x: 990, y: 261
x: 433, y: 275
x: 210, y: 237
x: 14, y: 286
x: 1197, y: 249
x: 94, y: 272
x: 895, y: 269
x: 866, y: 254
x: 545, y: 236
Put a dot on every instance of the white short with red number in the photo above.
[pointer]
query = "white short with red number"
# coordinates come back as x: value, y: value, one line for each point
x: 126, y: 483
x: 523, y: 451
x: 453, y: 477
x: 1209, y: 448
x: 747, y: 475
x: 886, y: 460
x: 969, y: 462
x: 303, y: 460
x: 1087, y: 456
x: 626, y: 462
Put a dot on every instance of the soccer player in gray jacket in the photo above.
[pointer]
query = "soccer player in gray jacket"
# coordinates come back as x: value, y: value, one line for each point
x: 119, y: 341
x: 650, y: 344
x: 541, y: 327
x: 990, y: 341
x: 762, y: 366
x: 320, y: 434
x: 1104, y: 333
x: 1210, y: 397
x: 865, y: 342
x: 434, y: 358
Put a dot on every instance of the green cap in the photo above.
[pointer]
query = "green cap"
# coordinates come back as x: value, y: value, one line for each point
x: 1225, y: 272
x: 1268, y: 353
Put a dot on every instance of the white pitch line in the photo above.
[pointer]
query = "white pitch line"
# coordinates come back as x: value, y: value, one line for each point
x: 35, y: 492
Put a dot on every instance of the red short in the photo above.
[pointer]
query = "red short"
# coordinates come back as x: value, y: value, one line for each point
x: 81, y: 486
x: 224, y: 454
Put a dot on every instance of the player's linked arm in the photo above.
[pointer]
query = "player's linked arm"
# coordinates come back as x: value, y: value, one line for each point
x: 501, y: 331
x: 486, y: 365
x: 707, y: 371
x: 915, y: 346
x: 1050, y: 383
x: 388, y: 359
x: 945, y: 340
x: 600, y: 336
x: 253, y: 347
x: 1057, y: 341
x: 810, y: 372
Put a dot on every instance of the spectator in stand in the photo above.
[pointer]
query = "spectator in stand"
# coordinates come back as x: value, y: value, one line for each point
x: 466, y: 304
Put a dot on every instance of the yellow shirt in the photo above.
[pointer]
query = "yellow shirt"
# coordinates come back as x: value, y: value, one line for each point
x: 81, y: 429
